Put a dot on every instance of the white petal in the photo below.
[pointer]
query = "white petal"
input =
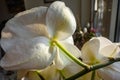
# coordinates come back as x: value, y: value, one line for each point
x: 115, y: 66
x: 27, y: 24
x: 109, y: 74
x: 90, y: 51
x: 51, y: 73
x: 96, y: 49
x: 31, y: 75
x: 111, y: 50
x: 62, y: 59
x: 71, y: 70
x: 117, y: 44
x: 72, y: 49
x: 27, y: 54
x: 68, y: 40
x: 60, y: 21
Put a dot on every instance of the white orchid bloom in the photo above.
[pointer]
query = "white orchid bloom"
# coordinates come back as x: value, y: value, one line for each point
x: 98, y: 50
x: 28, y: 38
x: 52, y: 73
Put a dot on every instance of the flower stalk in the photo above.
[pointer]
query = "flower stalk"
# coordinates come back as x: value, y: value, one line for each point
x: 92, y: 68
x: 79, y: 62
x: 93, y: 75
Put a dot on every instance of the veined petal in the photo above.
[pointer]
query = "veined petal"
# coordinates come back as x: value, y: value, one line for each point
x: 60, y: 21
x: 27, y: 54
x: 62, y: 59
x: 27, y: 24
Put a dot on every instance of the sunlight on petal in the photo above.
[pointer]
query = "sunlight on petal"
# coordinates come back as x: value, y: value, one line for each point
x: 60, y: 21
x: 111, y: 50
x: 27, y: 24
x: 97, y: 49
x: 28, y: 54
x: 90, y: 51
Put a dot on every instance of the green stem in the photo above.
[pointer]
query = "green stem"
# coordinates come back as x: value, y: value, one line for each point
x: 40, y: 76
x: 93, y: 67
x: 62, y: 75
x: 93, y: 75
x: 79, y: 62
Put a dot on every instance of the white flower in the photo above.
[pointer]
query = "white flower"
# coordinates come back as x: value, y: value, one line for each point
x: 98, y: 50
x: 50, y: 73
x: 28, y: 38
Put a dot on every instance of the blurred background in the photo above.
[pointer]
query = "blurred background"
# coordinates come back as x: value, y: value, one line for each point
x: 103, y: 15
